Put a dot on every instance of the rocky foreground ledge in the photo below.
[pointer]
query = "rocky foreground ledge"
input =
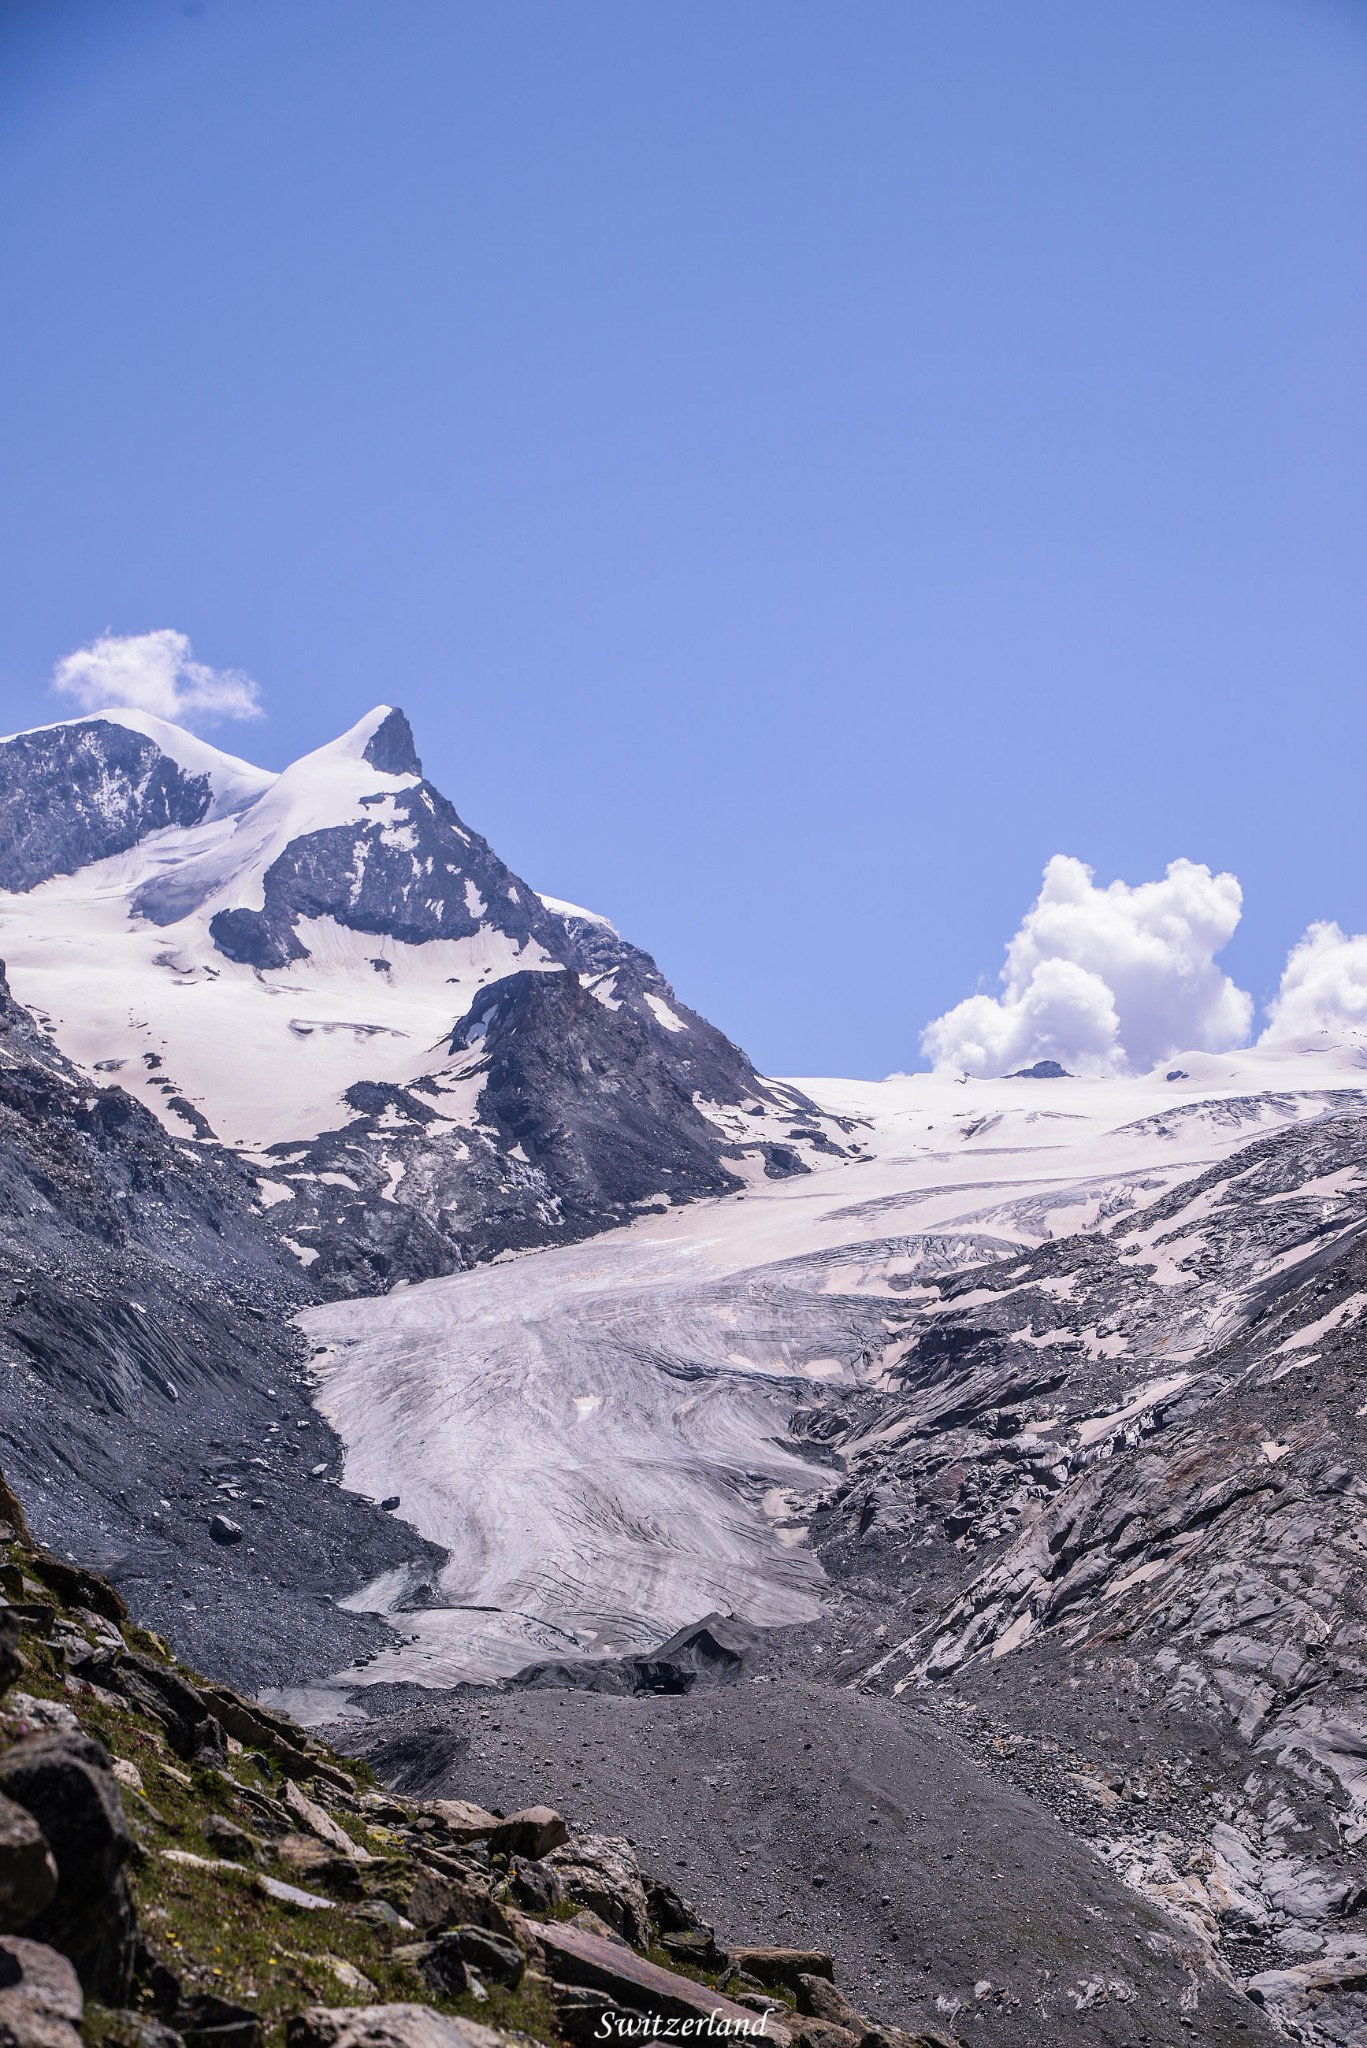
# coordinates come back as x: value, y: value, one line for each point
x: 181, y: 1867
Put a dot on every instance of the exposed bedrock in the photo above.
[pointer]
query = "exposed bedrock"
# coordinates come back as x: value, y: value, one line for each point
x: 152, y: 1380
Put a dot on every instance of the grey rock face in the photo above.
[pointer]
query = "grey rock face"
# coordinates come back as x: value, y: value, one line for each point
x: 413, y: 873
x: 391, y: 747
x: 155, y: 1380
x: 77, y: 793
x: 587, y: 1116
x: 1128, y: 1541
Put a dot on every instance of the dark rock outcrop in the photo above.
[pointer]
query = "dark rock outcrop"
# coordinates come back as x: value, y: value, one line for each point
x: 11, y: 1656
x: 588, y: 1115
x: 391, y: 747
x: 412, y: 872
x: 532, y: 1833
x: 707, y: 1652
x: 67, y: 1784
x: 28, y: 1875
x: 72, y: 794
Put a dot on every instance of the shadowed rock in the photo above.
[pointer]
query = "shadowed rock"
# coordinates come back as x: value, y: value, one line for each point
x: 66, y: 1783
x: 40, y: 1997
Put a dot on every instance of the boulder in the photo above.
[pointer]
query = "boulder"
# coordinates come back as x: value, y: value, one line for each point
x: 156, y: 1690
x: 818, y: 1999
x: 439, y: 1901
x: 535, y: 1886
x: 29, y: 1716
x: 76, y: 1586
x: 670, y: 1913
x: 532, y: 1833
x: 28, y: 1875
x: 11, y: 1656
x: 448, y: 1960
x: 462, y: 1819
x: 492, y: 1955
x: 224, y: 1530
x: 576, y: 1958
x: 320, y: 1823
x: 40, y: 1997
x: 780, y: 1965
x: 67, y: 1784
x: 696, y: 1945
x: 813, y: 2033
x: 387, y: 2026
x: 594, y: 1923
x: 439, y: 1962
x: 601, y: 1872
x: 583, y: 2016
x: 208, y: 2021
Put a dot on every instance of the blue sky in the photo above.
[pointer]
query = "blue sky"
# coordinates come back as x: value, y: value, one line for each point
x: 801, y: 466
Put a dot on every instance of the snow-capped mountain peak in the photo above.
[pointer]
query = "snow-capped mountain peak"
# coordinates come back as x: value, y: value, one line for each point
x: 280, y: 960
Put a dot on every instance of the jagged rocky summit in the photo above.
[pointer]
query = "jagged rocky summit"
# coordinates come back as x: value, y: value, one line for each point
x: 424, y: 1061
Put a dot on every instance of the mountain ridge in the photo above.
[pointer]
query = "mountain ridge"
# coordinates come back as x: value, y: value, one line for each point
x: 271, y: 950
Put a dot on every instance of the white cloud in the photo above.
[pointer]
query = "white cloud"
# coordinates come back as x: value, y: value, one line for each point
x: 1105, y: 980
x: 155, y: 672
x: 1323, y: 986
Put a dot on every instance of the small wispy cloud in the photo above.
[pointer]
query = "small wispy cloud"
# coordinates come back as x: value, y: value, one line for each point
x: 1105, y: 980
x: 155, y: 672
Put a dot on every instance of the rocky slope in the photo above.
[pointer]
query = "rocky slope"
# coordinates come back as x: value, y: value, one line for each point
x: 1112, y: 1498
x: 181, y: 1868
x: 155, y: 1408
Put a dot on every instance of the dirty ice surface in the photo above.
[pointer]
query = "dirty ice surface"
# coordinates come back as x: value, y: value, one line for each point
x: 598, y: 1435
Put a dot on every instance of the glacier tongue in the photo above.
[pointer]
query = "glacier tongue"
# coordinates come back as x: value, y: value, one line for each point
x: 600, y: 1435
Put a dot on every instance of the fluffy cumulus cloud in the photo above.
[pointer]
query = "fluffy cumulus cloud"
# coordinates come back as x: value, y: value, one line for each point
x: 1323, y: 986
x: 1106, y: 980
x: 155, y: 672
